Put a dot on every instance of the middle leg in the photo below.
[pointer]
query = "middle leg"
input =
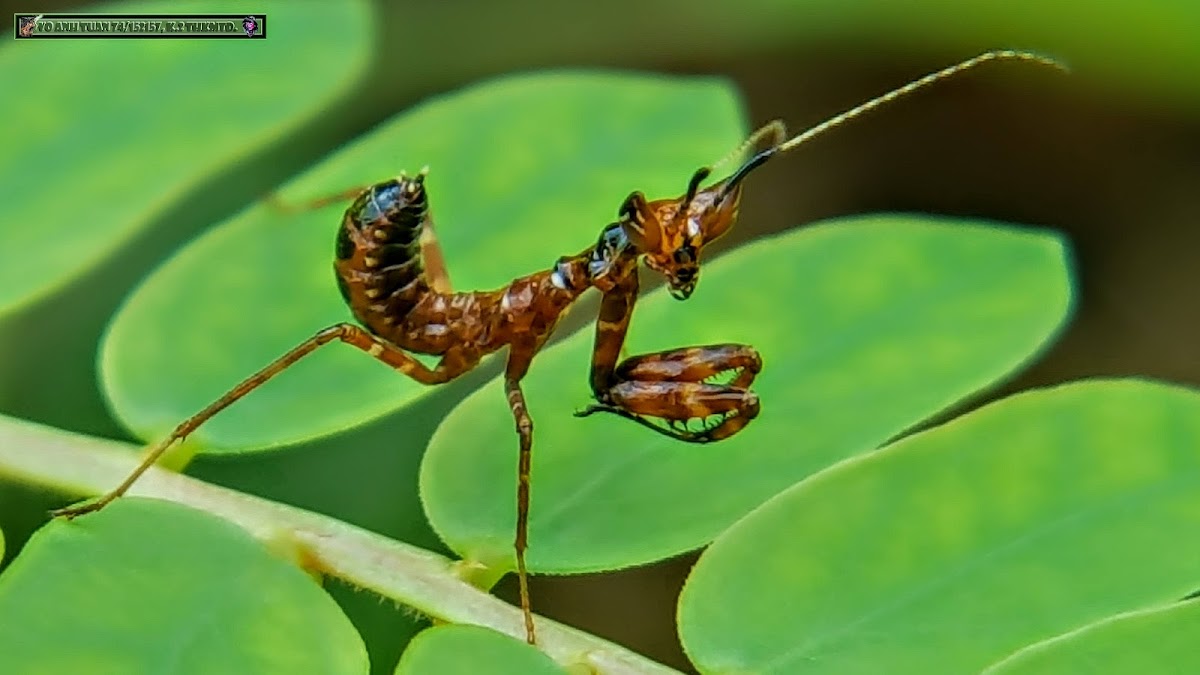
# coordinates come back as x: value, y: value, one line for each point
x: 519, y: 357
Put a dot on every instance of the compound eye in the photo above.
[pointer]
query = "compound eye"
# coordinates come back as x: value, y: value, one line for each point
x: 629, y: 208
x: 642, y: 231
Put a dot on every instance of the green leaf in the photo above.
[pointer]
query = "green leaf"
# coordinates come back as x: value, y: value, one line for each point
x: 472, y: 650
x: 1158, y: 640
x: 146, y: 586
x: 524, y: 169
x: 125, y: 127
x: 866, y: 326
x: 952, y: 548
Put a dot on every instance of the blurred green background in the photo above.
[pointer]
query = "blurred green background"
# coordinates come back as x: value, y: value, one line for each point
x: 1111, y: 156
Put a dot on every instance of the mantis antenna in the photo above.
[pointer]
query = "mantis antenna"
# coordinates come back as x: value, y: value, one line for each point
x: 776, y: 130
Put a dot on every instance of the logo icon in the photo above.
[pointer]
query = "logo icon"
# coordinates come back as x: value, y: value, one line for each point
x: 249, y: 24
x: 27, y: 24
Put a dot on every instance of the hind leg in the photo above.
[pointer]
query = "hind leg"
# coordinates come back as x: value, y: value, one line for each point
x: 453, y: 364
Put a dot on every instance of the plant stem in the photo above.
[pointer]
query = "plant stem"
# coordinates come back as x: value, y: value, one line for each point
x: 82, y: 465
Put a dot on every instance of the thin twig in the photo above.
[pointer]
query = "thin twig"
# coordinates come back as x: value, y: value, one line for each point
x: 86, y: 466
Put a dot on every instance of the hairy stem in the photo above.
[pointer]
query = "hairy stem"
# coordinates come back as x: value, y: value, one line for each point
x: 82, y: 465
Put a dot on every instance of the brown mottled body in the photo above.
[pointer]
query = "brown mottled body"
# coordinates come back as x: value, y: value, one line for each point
x: 390, y: 271
x: 380, y: 271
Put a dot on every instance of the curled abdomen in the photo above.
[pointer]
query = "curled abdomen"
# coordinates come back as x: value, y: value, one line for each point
x: 378, y: 253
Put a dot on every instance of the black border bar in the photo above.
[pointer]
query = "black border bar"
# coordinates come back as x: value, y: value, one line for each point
x: 165, y: 26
